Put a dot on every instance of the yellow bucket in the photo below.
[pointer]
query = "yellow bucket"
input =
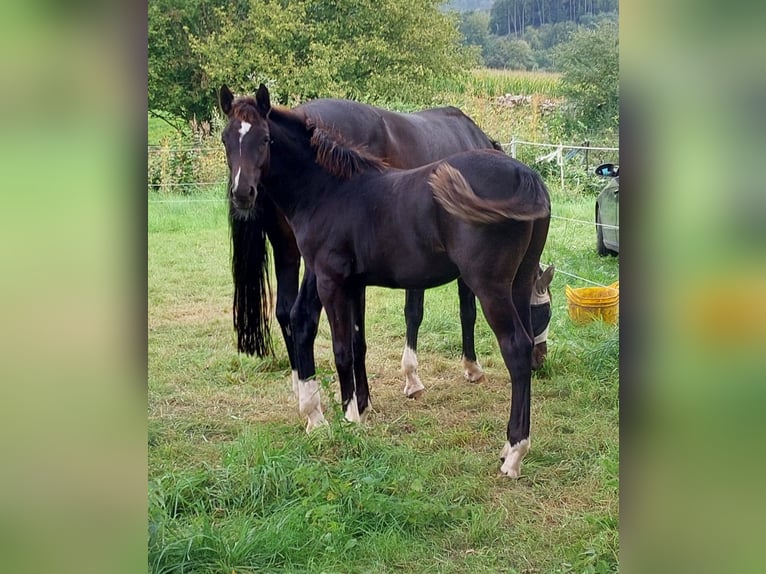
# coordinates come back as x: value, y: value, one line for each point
x: 589, y: 303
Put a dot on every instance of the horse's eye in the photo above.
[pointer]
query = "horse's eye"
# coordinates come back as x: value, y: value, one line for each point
x: 266, y: 139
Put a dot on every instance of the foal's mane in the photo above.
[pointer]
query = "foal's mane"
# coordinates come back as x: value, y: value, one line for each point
x: 336, y: 155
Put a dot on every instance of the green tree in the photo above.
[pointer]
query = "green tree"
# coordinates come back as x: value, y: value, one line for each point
x: 474, y: 26
x: 373, y: 50
x: 590, y: 80
x: 509, y: 53
x: 178, y: 86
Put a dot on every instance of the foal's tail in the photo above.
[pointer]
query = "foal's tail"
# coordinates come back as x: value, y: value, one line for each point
x: 530, y: 200
x: 252, y: 290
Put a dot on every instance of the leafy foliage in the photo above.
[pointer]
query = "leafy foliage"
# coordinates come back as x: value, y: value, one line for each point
x: 543, y: 25
x: 504, y: 52
x: 378, y: 51
x: 590, y: 81
x: 178, y: 85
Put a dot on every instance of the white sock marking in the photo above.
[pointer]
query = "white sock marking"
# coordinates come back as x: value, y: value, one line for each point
x: 295, y: 384
x: 412, y: 383
x: 309, y: 403
x: 472, y: 370
x: 513, y: 454
x: 352, y: 410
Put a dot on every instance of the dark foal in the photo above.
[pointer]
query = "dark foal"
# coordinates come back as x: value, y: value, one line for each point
x: 479, y: 215
x: 401, y: 140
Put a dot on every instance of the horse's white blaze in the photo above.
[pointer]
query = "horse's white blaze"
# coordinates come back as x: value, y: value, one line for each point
x: 352, y: 410
x: 244, y: 127
x: 309, y: 403
x: 412, y: 382
x: 472, y: 370
x: 513, y: 454
x: 236, y: 179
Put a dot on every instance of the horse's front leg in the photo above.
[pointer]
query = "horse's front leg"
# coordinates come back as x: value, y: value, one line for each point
x: 471, y: 368
x: 413, y: 317
x: 304, y: 322
x: 339, y: 305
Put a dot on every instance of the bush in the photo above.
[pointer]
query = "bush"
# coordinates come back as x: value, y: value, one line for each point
x: 590, y: 82
x: 182, y: 162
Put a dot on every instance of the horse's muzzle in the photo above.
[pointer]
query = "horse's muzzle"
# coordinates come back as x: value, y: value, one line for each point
x: 243, y: 198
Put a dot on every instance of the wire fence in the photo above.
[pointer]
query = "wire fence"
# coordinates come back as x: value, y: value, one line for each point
x: 193, y: 168
x: 567, y: 158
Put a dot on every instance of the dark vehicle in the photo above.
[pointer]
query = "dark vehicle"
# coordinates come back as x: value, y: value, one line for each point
x: 608, y: 211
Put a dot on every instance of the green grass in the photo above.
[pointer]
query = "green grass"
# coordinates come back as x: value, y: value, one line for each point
x: 236, y: 485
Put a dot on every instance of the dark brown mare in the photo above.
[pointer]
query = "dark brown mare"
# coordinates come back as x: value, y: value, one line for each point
x: 402, y: 140
x: 480, y: 215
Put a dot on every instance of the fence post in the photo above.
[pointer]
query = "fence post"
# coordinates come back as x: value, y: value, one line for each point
x: 513, y: 147
x: 560, y: 161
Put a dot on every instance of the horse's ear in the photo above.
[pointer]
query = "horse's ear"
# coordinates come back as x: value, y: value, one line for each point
x: 545, y: 279
x: 263, y: 100
x: 225, y: 98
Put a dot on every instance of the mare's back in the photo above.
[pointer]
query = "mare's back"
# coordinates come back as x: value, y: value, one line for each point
x: 403, y: 140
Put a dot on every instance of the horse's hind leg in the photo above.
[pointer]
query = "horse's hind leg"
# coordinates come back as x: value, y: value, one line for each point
x: 339, y: 305
x: 516, y: 349
x: 360, y: 356
x: 471, y: 367
x: 413, y: 316
x: 286, y: 272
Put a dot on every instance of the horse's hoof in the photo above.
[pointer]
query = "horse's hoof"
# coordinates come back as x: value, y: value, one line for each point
x: 509, y: 474
x: 472, y: 371
x: 417, y: 394
x: 315, y: 421
x: 511, y: 457
x: 473, y: 378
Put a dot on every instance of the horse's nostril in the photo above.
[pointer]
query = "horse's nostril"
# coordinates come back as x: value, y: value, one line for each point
x: 252, y: 191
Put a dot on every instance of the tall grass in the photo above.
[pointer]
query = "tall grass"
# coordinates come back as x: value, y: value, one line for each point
x: 489, y: 82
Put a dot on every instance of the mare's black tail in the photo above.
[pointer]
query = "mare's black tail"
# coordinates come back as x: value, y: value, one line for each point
x: 252, y: 289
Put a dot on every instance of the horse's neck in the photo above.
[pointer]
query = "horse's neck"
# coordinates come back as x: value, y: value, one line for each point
x: 294, y: 176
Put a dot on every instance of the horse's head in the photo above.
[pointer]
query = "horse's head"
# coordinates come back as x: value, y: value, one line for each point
x: 541, y: 314
x: 246, y: 139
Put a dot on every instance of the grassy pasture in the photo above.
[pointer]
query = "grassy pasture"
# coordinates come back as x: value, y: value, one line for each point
x: 235, y: 484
